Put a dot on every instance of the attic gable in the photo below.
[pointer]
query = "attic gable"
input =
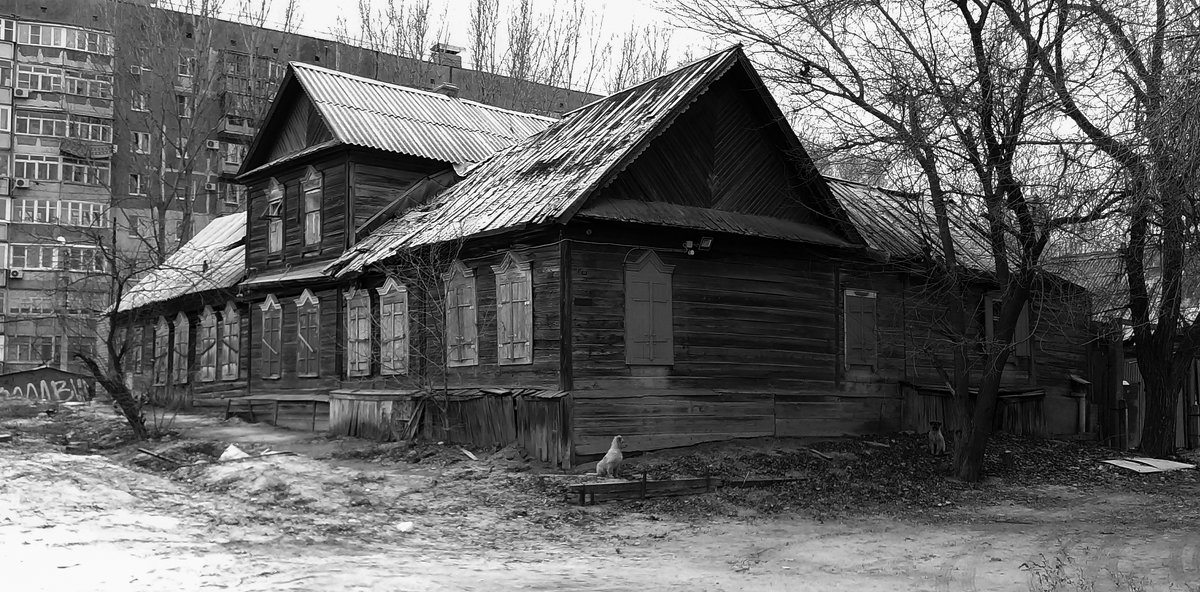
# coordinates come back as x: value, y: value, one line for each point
x: 725, y: 152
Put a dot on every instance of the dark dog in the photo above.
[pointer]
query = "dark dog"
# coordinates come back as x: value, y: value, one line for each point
x: 937, y: 442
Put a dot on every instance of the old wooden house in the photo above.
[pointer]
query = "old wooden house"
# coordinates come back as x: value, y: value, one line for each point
x: 665, y: 263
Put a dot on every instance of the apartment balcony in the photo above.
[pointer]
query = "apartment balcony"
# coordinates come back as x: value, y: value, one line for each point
x: 237, y: 126
x: 230, y: 168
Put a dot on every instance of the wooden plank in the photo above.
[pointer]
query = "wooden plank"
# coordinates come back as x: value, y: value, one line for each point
x: 585, y: 493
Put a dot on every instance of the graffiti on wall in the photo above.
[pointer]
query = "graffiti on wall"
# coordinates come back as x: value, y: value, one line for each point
x: 69, y: 389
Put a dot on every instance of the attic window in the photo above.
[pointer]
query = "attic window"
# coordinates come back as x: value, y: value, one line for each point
x: 274, y: 213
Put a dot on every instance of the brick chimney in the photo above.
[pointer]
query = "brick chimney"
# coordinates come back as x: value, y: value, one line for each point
x: 444, y: 54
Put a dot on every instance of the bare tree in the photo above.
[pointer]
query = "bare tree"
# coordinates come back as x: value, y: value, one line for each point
x: 955, y: 109
x: 1124, y: 73
x: 643, y: 53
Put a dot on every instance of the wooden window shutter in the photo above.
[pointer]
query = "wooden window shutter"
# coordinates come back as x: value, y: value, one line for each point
x: 860, y: 333
x: 462, y: 337
x: 524, y: 340
x: 649, y: 332
x: 504, y: 319
x: 470, y: 332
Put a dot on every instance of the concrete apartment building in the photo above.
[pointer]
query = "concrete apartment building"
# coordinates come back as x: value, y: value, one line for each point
x: 121, y: 127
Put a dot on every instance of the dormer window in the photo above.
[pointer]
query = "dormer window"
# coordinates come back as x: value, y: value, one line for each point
x: 274, y: 215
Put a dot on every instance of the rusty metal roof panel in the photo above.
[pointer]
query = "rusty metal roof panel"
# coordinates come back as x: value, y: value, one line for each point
x: 902, y: 225
x: 540, y: 179
x: 214, y: 259
x: 374, y: 114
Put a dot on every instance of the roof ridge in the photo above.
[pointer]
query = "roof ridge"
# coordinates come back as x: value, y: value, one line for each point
x: 730, y: 50
x: 439, y: 96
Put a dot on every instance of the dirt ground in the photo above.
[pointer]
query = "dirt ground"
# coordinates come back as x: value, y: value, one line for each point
x: 345, y: 514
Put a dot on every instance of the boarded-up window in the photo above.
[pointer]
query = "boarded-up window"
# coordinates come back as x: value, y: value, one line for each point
x: 462, y: 341
x: 179, y: 368
x: 274, y: 216
x: 862, y: 340
x: 272, y: 331
x: 312, y: 185
x: 206, y: 345
x: 230, y: 349
x: 393, y: 328
x: 648, y: 319
x: 992, y: 304
x: 162, y: 351
x: 514, y: 311
x: 308, y: 329
x: 358, y: 333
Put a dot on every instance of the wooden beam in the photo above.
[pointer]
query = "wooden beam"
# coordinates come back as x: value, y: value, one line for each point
x: 565, y: 315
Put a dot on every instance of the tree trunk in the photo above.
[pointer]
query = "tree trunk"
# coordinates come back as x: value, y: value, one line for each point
x: 969, y: 460
x: 116, y: 388
x: 1162, y: 397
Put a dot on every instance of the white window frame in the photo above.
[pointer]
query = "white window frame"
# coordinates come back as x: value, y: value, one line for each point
x: 274, y: 214
x: 308, y: 348
x: 312, y: 190
x: 270, y: 307
x: 141, y: 142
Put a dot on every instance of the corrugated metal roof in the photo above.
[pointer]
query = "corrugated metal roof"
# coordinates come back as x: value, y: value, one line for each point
x: 214, y: 259
x: 901, y: 225
x: 678, y: 216
x: 373, y: 114
x: 540, y: 180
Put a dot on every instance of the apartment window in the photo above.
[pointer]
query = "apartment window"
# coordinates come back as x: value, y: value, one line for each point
x: 8, y: 30
x: 181, y: 148
x: 39, y: 78
x: 358, y: 333
x: 87, y: 172
x: 649, y: 336
x: 312, y: 185
x: 32, y: 348
x: 272, y: 333
x: 233, y: 153
x: 39, y: 211
x: 992, y: 304
x: 87, y: 84
x: 87, y: 259
x: 137, y: 184
x: 141, y: 143
x: 93, y: 129
x: 274, y: 214
x: 514, y: 311
x: 183, y: 105
x: 162, y: 351
x: 462, y: 342
x: 38, y: 123
x: 308, y: 332
x: 138, y: 102
x: 231, y: 335
x: 393, y: 328
x: 82, y: 213
x: 33, y: 256
x: 187, y: 65
x: 33, y: 166
x: 206, y: 345
x: 862, y: 342
x: 5, y: 117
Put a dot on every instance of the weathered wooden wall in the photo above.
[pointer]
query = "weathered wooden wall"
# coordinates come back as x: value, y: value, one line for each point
x: 289, y: 383
x: 376, y: 181
x: 754, y: 343
x: 333, y: 215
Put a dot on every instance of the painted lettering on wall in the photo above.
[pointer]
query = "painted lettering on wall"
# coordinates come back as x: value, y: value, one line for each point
x: 70, y: 389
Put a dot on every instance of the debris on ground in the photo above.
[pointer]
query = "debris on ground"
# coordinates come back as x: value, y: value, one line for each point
x: 1148, y: 465
x: 232, y: 453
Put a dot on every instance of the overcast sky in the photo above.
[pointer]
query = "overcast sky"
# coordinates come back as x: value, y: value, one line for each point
x: 320, y: 17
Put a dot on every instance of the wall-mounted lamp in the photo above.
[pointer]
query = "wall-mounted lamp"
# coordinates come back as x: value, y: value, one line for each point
x: 690, y: 247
